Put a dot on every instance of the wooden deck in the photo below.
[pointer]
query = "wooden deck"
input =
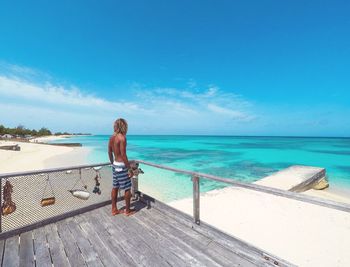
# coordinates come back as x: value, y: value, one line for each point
x: 151, y: 237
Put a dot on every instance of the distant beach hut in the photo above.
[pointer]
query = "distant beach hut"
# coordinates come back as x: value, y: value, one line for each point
x: 7, y: 136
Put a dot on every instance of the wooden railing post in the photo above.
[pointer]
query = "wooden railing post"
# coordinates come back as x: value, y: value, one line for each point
x: 135, y: 185
x: 196, y: 191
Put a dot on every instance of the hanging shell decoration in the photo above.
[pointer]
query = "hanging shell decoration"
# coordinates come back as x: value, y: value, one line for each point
x: 8, y: 206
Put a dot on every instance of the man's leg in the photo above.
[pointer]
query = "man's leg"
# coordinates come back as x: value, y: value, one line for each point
x: 114, y: 196
x: 127, y: 197
x: 114, y: 193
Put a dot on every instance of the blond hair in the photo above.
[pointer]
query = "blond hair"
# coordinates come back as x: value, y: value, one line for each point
x: 121, y: 126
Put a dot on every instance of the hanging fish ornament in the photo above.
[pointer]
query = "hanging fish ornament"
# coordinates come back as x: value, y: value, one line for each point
x: 78, y: 193
x: 81, y: 194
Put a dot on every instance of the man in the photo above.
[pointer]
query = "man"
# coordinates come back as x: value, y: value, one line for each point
x: 122, y: 171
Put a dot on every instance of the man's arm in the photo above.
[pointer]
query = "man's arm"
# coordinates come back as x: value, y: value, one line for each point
x: 110, y: 149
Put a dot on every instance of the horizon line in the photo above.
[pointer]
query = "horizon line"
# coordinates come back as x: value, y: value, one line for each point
x: 218, y: 135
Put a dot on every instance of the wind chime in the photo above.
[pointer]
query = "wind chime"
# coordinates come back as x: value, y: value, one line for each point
x: 97, y: 179
x: 48, y: 200
x: 8, y: 206
x: 80, y: 193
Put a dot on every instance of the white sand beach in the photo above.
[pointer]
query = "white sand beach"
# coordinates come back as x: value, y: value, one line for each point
x: 302, y: 233
x: 34, y: 156
x: 45, y: 139
x: 333, y: 193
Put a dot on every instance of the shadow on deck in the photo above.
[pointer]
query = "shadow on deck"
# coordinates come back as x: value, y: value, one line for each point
x: 157, y: 235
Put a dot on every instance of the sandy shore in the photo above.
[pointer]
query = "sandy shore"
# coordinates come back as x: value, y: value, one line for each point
x: 34, y: 156
x: 45, y: 139
x: 332, y: 193
x: 302, y: 233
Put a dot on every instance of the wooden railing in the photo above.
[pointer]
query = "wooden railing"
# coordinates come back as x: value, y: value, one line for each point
x: 196, y: 176
x: 29, y: 211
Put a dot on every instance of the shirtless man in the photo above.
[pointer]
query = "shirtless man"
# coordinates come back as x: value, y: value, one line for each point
x: 120, y: 166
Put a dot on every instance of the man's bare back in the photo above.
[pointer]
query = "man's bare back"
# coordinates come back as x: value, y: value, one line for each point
x: 120, y: 148
x: 117, y: 145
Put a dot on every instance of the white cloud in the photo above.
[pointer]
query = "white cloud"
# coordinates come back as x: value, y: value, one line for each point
x: 212, y: 91
x: 165, y: 110
x: 53, y: 94
x: 234, y: 114
x: 210, y: 100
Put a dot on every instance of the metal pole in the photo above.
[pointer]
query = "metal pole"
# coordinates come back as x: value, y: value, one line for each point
x: 196, y: 208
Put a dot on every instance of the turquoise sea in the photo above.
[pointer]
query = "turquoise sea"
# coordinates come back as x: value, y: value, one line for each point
x: 241, y: 158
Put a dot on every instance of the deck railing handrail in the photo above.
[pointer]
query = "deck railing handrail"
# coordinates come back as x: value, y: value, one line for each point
x: 16, y: 174
x: 259, y: 188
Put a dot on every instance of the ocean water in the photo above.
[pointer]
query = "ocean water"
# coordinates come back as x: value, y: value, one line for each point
x: 240, y: 158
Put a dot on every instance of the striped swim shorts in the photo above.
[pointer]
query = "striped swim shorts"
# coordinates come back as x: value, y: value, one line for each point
x: 121, y: 178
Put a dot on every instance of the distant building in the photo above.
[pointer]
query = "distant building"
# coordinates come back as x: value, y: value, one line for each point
x: 8, y: 136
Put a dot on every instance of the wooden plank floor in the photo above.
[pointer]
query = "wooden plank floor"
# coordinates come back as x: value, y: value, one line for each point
x: 95, y: 238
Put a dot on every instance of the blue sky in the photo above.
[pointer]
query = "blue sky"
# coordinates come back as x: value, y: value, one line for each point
x: 177, y: 67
